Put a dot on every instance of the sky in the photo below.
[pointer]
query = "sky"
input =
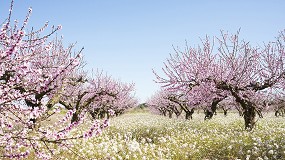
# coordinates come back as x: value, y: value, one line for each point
x: 128, y: 38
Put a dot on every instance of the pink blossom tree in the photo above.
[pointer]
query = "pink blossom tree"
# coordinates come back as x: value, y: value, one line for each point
x: 79, y: 94
x: 167, y: 101
x: 158, y: 103
x: 33, y: 72
x: 180, y: 101
x: 227, y: 104
x: 208, y: 74
x: 125, y: 98
x: 114, y: 96
x: 276, y: 103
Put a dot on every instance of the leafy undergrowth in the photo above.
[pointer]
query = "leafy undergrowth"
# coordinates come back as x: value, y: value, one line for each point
x: 147, y: 136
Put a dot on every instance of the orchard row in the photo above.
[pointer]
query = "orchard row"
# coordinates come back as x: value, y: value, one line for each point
x: 46, y: 95
x: 224, y: 71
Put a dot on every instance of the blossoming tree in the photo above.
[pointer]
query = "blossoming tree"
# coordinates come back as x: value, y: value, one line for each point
x: 165, y: 101
x: 208, y: 74
x: 34, y: 71
x: 98, y: 96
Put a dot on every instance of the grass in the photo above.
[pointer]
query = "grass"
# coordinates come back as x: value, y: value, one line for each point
x: 146, y: 136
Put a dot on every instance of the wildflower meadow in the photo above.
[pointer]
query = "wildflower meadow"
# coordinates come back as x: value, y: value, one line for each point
x: 142, y: 135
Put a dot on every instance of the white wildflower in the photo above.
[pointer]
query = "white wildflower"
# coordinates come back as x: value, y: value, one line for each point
x: 270, y: 151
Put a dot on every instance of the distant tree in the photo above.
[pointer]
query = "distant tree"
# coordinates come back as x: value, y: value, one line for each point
x: 117, y: 96
x: 166, y: 101
x: 160, y: 103
x: 277, y: 104
x: 180, y: 100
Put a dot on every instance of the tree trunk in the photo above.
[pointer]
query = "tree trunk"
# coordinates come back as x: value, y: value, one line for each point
x: 94, y: 115
x: 164, y: 113
x: 189, y: 114
x: 249, y: 115
x: 225, y: 112
x: 75, y: 117
x: 209, y: 113
x: 102, y: 115
x: 170, y: 113
x: 177, y: 112
x: 240, y: 112
x: 277, y: 113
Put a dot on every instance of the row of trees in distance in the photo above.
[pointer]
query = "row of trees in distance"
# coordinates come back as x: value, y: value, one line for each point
x: 167, y: 103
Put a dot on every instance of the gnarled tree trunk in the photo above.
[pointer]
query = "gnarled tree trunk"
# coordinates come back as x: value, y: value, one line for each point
x: 75, y: 117
x: 177, y: 111
x: 170, y: 112
x: 163, y: 113
x: 249, y: 115
x: 225, y: 112
x: 189, y: 113
x: 210, y: 113
x: 249, y: 112
x: 248, y: 107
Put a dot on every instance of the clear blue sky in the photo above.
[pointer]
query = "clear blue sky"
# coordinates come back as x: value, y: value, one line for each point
x: 127, y: 38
